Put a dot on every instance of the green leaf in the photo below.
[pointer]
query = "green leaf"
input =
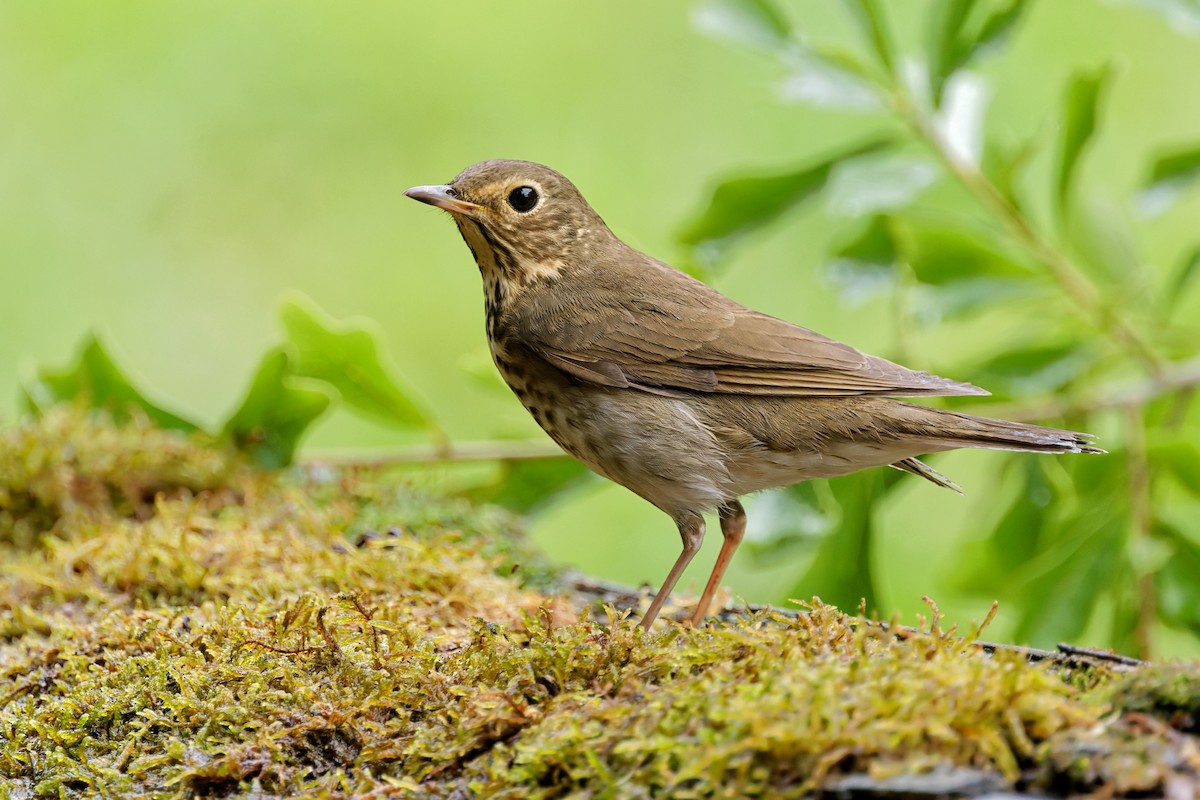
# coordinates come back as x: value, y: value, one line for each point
x: 1185, y: 274
x: 1019, y: 534
x: 865, y: 266
x: 1172, y: 174
x: 934, y: 304
x: 997, y: 27
x: 957, y: 269
x: 96, y: 380
x: 841, y: 573
x: 872, y: 184
x: 348, y: 357
x: 274, y: 414
x: 1101, y: 231
x: 1062, y: 600
x: 942, y: 255
x: 788, y: 524
x: 1176, y: 585
x: 753, y: 22
x: 1034, y: 368
x: 1079, y: 124
x: 1181, y: 459
x: 869, y: 15
x: 1003, y: 165
x: 527, y: 484
x: 827, y: 79
x: 961, y: 31
x: 1080, y: 560
x: 947, y: 48
x: 741, y: 205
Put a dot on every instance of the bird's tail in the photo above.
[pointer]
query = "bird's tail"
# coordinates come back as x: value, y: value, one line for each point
x: 949, y: 430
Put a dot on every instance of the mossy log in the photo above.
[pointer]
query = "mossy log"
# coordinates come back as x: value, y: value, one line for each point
x: 175, y: 623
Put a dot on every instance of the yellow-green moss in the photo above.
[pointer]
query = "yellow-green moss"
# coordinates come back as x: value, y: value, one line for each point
x: 1170, y: 691
x: 77, y: 463
x: 235, y: 634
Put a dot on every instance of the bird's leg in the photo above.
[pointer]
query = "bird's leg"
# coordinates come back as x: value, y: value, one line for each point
x: 691, y: 530
x: 733, y: 528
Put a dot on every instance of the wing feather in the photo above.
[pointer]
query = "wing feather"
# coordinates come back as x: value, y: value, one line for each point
x: 600, y: 328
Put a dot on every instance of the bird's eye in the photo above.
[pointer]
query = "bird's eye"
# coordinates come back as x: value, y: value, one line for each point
x: 523, y: 198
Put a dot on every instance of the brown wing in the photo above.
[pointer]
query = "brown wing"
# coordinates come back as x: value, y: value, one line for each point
x: 675, y: 333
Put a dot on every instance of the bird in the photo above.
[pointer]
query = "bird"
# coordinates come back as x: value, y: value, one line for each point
x: 662, y: 384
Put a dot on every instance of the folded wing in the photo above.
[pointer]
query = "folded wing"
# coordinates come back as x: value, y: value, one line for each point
x: 689, y: 337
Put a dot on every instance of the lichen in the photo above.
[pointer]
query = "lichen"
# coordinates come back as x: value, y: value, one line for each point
x: 192, y: 627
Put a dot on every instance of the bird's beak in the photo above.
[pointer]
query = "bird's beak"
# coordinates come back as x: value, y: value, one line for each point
x: 441, y: 197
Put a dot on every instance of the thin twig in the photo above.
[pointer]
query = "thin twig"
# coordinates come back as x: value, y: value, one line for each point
x: 496, y: 450
x: 326, y: 635
x: 1102, y: 655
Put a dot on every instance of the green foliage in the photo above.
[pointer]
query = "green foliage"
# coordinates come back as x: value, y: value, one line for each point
x: 842, y: 569
x: 95, y: 379
x: 1171, y: 174
x: 276, y: 412
x: 348, y: 358
x: 289, y: 392
x: 754, y: 22
x: 524, y: 485
x: 1079, y: 125
x: 869, y: 14
x: 1085, y: 534
x: 960, y: 31
x: 741, y: 205
x: 1035, y: 368
x: 1185, y: 274
x: 1177, y: 577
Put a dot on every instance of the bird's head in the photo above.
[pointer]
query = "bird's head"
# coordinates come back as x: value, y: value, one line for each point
x: 523, y: 222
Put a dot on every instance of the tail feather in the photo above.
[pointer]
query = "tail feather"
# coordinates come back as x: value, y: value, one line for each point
x: 950, y: 429
x: 918, y: 467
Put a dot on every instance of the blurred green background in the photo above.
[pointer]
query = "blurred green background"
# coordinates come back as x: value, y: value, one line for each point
x: 169, y: 170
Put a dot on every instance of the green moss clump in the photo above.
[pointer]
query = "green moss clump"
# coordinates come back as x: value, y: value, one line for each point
x: 776, y: 705
x: 1170, y: 692
x: 238, y: 635
x: 72, y: 461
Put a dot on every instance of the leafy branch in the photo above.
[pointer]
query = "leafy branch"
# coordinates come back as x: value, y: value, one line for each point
x: 321, y: 360
x: 958, y: 268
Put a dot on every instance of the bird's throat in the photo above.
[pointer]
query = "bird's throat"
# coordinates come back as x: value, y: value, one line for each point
x: 506, y: 272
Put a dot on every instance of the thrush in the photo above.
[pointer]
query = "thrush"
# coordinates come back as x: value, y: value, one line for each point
x: 660, y: 383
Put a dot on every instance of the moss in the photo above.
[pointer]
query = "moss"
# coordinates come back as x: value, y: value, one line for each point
x: 74, y: 463
x: 330, y: 633
x: 1170, y: 692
